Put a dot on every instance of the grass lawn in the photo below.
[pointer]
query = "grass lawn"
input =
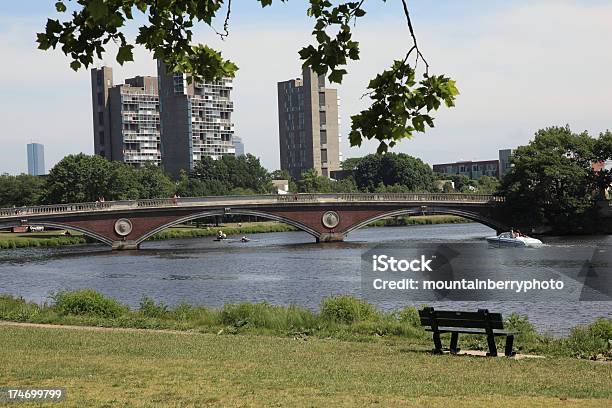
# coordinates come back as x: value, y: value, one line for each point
x: 156, y: 369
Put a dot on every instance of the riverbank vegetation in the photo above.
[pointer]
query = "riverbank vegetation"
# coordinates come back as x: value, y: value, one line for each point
x: 228, y: 229
x: 340, y: 317
x: 557, y: 179
x: 9, y: 240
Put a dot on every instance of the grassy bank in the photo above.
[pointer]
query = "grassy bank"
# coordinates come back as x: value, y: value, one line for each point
x: 229, y: 229
x: 342, y: 318
x: 420, y: 220
x: 137, y: 369
x: 10, y: 240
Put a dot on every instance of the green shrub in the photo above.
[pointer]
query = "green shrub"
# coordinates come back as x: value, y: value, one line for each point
x: 409, y: 315
x: 521, y: 325
x: 591, y: 341
x: 17, y: 309
x: 347, y: 310
x: 87, y: 302
x: 149, y: 308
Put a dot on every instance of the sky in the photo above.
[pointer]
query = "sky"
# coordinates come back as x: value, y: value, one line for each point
x: 520, y: 66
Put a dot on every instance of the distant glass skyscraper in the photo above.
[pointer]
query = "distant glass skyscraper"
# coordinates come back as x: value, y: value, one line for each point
x: 36, y: 159
x: 238, y: 145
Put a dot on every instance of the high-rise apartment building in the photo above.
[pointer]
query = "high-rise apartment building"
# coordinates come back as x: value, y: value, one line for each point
x: 166, y: 121
x: 196, y: 120
x: 126, y: 118
x: 36, y: 159
x: 308, y: 125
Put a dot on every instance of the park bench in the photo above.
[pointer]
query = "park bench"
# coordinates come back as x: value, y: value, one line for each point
x: 454, y: 322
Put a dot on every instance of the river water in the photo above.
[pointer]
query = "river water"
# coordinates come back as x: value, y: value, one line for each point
x: 280, y: 268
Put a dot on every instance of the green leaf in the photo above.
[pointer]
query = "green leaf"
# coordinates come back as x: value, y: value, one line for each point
x: 60, y: 7
x: 125, y: 54
x: 336, y: 75
x: 97, y: 9
x: 75, y: 65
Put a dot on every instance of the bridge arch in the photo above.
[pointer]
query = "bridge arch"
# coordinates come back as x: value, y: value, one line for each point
x: 474, y: 216
x: 214, y: 213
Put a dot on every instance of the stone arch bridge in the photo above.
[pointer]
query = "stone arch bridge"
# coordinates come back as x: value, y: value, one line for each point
x: 327, y: 217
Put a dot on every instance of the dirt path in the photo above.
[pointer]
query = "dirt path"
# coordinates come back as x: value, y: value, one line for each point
x: 94, y: 328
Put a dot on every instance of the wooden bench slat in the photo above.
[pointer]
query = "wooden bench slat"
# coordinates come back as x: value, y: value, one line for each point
x: 480, y: 324
x: 467, y: 330
x: 448, y: 314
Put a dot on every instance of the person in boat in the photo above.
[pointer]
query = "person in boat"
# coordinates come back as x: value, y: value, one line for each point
x: 244, y: 239
x: 512, y: 234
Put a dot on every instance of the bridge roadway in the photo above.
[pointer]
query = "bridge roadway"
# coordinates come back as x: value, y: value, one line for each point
x: 328, y: 217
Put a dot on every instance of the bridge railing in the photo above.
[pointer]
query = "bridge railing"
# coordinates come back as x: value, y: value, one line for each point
x: 357, y: 197
x: 235, y: 200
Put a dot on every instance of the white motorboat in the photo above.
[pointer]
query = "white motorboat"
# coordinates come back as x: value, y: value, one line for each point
x: 512, y: 239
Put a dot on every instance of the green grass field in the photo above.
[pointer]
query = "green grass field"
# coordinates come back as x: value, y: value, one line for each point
x: 128, y: 368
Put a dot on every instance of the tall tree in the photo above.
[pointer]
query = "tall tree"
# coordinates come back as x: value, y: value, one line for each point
x: 228, y: 173
x: 82, y: 178
x: 311, y: 182
x: 549, y: 180
x: 487, y: 185
x: 402, y: 98
x: 154, y: 183
x: 393, y: 169
x: 20, y: 190
x: 77, y: 178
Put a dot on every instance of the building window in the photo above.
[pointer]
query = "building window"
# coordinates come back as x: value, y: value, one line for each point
x: 101, y: 138
x: 101, y: 118
x: 323, y: 137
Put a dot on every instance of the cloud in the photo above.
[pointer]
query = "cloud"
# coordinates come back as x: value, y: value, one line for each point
x: 519, y: 68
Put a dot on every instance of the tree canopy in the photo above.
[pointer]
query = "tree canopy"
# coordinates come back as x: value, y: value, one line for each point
x: 403, y: 96
x: 553, y: 181
x: 20, y: 190
x: 83, y: 178
x: 391, y: 169
x: 227, y: 175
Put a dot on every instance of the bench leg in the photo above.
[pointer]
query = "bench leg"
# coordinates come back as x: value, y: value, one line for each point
x: 509, y: 342
x: 453, y: 343
x: 437, y: 343
x: 492, y: 347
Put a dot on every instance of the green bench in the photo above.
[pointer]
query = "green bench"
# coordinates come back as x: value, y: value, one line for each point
x: 455, y: 322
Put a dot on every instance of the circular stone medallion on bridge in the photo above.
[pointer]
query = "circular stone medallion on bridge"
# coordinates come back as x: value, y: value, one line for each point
x: 123, y: 227
x: 331, y: 219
